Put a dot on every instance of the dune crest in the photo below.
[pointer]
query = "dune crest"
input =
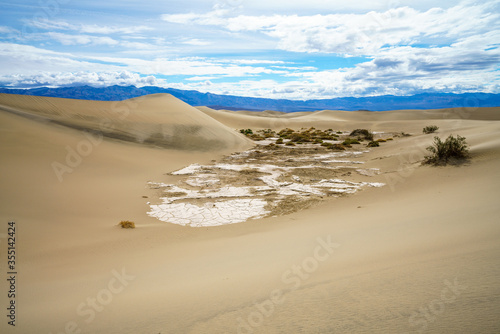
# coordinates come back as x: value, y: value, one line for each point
x: 158, y: 120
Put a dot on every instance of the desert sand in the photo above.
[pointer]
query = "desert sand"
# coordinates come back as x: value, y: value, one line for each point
x: 420, y: 254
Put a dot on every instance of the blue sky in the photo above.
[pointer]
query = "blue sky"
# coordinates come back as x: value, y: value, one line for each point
x: 277, y: 49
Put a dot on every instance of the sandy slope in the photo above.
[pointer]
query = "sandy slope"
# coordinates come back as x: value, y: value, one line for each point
x: 158, y: 120
x: 396, y: 250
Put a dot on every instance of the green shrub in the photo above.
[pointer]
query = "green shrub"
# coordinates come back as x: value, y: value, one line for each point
x: 267, y: 133
x: 255, y: 137
x: 373, y: 144
x: 127, y: 224
x: 362, y: 133
x: 300, y: 137
x: 285, y: 133
x: 337, y: 147
x: 290, y: 143
x: 430, y: 129
x: 451, y: 149
x: 246, y: 132
x: 350, y: 141
x: 279, y: 141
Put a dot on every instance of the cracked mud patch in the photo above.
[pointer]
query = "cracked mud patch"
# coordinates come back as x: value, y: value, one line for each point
x: 261, y: 182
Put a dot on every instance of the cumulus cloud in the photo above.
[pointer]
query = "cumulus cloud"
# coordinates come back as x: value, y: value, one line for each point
x: 250, y: 49
x: 356, y: 34
x: 23, y: 59
x: 189, y: 67
x: 96, y: 79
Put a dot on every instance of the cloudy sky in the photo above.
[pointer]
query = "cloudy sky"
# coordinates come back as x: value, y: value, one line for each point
x: 277, y: 49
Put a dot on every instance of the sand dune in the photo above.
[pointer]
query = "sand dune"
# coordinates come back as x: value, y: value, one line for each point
x: 420, y: 254
x: 325, y: 119
x: 158, y: 120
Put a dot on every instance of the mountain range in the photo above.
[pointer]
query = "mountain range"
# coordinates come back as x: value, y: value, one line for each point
x: 215, y: 101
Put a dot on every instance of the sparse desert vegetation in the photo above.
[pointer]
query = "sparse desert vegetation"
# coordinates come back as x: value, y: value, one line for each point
x: 350, y: 141
x: 126, y: 224
x: 453, y: 149
x: 430, y: 129
x: 362, y: 134
x: 330, y: 138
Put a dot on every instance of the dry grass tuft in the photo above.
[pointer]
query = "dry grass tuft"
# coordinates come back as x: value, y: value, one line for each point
x: 127, y: 224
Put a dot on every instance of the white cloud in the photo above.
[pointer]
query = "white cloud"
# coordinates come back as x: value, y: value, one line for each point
x: 67, y: 39
x: 188, y: 66
x: 6, y: 30
x: 254, y: 61
x: 46, y: 24
x: 397, y: 71
x: 95, y: 29
x: 136, y: 47
x: 356, y: 34
x: 96, y: 79
x: 196, y: 42
x: 205, y: 78
x: 282, y: 53
x: 18, y: 59
x: 215, y: 17
x: 322, y: 6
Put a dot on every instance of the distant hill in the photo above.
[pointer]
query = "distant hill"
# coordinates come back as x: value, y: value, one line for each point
x: 195, y: 98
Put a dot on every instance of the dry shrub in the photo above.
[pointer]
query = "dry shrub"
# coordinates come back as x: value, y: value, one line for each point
x: 362, y: 133
x: 127, y: 224
x: 350, y: 141
x: 430, y: 129
x: 452, y: 149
